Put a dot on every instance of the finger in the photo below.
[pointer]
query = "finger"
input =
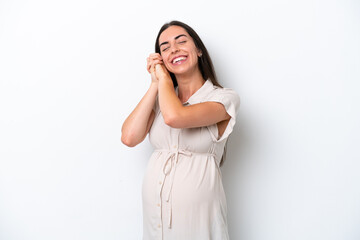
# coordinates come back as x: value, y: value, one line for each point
x: 155, y: 59
x: 148, y: 66
x: 157, y: 62
x: 158, y: 66
x: 155, y: 56
x: 150, y: 59
x: 152, y: 62
x: 152, y: 69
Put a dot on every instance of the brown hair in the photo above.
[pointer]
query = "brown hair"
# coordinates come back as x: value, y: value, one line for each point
x: 205, y: 64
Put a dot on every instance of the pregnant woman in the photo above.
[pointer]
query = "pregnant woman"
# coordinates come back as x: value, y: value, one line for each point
x: 188, y: 117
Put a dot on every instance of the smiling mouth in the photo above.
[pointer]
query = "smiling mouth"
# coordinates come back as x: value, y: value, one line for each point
x: 179, y: 60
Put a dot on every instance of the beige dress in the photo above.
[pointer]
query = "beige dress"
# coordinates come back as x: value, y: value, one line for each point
x: 183, y: 195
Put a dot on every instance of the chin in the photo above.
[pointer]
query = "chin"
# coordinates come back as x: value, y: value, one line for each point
x: 180, y: 70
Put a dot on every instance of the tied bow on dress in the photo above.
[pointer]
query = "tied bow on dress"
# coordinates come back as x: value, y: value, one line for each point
x: 169, y: 171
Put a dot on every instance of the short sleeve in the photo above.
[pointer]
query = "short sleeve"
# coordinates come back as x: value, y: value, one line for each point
x: 231, y: 101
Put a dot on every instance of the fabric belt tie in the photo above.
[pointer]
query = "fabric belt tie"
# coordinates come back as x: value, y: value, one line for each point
x: 169, y: 169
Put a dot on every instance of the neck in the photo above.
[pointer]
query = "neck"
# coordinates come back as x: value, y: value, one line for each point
x: 189, y: 84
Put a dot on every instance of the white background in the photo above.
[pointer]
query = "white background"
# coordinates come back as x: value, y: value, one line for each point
x: 72, y: 70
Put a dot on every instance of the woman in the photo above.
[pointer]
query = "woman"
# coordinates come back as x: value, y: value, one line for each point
x: 189, y: 117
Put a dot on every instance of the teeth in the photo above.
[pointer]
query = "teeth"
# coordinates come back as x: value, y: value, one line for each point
x: 179, y: 59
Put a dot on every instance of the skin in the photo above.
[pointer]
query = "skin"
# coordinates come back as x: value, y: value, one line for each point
x: 174, y: 42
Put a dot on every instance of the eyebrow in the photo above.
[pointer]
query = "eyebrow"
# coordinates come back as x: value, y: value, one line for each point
x: 181, y: 35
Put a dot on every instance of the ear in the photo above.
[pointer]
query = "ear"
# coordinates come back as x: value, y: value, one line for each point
x: 199, y: 53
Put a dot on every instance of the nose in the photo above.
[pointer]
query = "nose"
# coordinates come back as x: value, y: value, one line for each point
x: 174, y: 49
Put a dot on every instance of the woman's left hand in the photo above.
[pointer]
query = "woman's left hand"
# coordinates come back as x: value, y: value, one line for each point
x: 161, y: 72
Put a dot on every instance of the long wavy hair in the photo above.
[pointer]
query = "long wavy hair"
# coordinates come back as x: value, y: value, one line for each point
x: 205, y: 64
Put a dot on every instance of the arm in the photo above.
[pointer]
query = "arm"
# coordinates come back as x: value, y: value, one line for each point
x: 178, y: 116
x: 138, y: 123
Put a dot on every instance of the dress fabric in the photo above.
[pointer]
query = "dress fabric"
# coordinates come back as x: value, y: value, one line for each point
x: 183, y: 195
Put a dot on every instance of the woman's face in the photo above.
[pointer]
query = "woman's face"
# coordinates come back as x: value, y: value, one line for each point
x: 178, y: 50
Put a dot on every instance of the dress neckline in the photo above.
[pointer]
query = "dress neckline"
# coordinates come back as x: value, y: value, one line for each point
x: 203, y: 89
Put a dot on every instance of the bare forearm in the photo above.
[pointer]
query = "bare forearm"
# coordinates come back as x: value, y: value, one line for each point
x: 197, y: 115
x: 170, y: 104
x: 135, y: 127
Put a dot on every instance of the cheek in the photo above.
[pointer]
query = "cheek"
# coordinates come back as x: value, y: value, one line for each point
x: 164, y: 57
x: 194, y: 58
x: 167, y: 65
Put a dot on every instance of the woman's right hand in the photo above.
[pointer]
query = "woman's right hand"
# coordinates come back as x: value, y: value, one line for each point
x: 152, y: 60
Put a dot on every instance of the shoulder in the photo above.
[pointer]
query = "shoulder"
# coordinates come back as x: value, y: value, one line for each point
x: 225, y: 95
